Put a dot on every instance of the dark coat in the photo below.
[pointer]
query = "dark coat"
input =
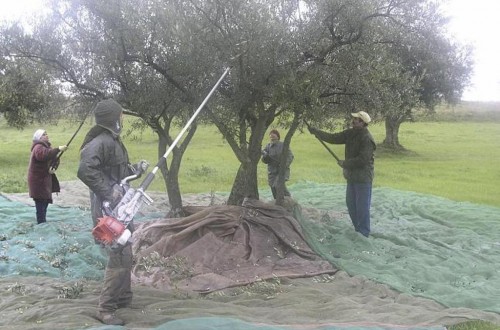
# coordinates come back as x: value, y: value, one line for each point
x: 271, y: 156
x: 41, y: 183
x: 359, y: 152
x: 103, y: 164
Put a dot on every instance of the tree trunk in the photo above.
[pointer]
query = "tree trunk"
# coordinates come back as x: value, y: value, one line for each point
x: 391, y: 141
x: 171, y: 179
x: 248, y: 153
x: 280, y: 191
x: 173, y: 188
x: 245, y: 183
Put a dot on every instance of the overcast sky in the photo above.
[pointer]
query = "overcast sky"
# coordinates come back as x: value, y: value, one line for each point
x: 472, y: 21
x: 477, y: 22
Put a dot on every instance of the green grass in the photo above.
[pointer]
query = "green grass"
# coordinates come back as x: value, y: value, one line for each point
x: 475, y: 325
x: 456, y: 160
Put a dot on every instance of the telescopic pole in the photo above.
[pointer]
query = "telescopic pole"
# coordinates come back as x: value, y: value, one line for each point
x: 324, y: 144
x: 151, y: 175
x: 55, y: 162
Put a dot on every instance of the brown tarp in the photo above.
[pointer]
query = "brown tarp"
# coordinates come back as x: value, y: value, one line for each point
x: 223, y: 246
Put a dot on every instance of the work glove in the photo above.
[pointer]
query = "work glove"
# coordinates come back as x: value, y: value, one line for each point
x: 265, y: 157
x: 141, y: 167
x: 63, y: 148
x: 54, y: 165
x: 116, y: 196
x: 106, y: 208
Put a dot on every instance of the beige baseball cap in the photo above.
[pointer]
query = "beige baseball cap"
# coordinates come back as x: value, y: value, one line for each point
x: 363, y: 116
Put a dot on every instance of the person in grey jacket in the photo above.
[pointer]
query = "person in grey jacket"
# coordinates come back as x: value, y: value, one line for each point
x: 358, y: 167
x: 271, y: 156
x: 104, y: 163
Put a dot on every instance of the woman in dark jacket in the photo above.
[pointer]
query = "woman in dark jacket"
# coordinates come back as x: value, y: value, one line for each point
x: 41, y: 182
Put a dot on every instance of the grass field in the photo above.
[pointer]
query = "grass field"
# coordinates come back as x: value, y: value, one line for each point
x: 456, y: 159
x: 454, y: 154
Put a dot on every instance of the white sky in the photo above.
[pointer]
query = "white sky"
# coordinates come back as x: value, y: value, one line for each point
x: 472, y: 21
x: 477, y: 22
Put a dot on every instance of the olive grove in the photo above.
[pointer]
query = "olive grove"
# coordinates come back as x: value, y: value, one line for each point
x: 290, y: 62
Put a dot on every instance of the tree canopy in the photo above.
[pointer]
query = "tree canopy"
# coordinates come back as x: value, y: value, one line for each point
x: 290, y: 61
x: 26, y: 92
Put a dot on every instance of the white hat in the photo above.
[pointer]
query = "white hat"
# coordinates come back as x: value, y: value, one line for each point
x: 38, y: 134
x: 363, y: 116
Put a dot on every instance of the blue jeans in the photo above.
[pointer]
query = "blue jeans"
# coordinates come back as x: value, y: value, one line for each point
x: 358, y: 200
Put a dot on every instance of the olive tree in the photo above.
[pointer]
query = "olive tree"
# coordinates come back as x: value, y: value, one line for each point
x: 140, y: 55
x: 290, y: 61
x: 398, y: 59
x: 27, y: 93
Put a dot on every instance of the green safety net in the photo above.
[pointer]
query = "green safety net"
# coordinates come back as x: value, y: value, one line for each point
x: 420, y: 244
x: 205, y: 323
x: 62, y: 247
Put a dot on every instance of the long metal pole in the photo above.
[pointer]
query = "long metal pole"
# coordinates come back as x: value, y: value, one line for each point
x: 147, y: 181
x: 324, y: 144
x: 55, y: 163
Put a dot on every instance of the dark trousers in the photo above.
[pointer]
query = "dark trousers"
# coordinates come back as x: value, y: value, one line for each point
x: 274, y: 190
x: 41, y: 210
x: 116, y: 291
x: 358, y: 200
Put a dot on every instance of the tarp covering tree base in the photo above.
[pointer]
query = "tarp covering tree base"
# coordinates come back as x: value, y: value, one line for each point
x: 224, y: 246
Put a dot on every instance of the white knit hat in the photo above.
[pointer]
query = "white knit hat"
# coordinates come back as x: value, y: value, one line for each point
x: 38, y: 134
